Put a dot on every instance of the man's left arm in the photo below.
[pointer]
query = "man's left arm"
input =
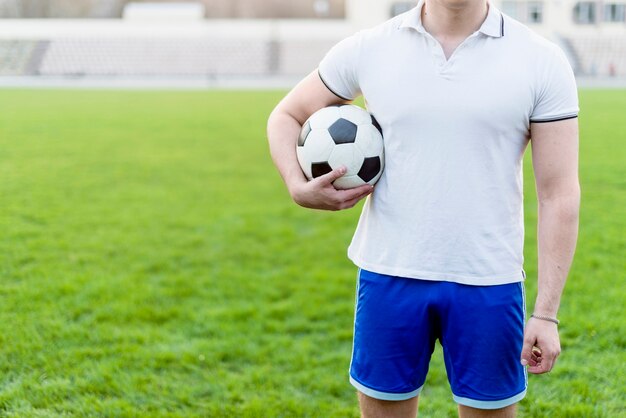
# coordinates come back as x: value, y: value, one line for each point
x: 555, y: 163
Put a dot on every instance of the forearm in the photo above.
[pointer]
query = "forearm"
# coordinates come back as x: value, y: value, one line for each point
x: 557, y: 231
x: 282, y: 134
x: 283, y: 129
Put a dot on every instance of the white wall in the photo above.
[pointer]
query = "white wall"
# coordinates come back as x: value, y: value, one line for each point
x: 557, y: 14
x: 278, y: 30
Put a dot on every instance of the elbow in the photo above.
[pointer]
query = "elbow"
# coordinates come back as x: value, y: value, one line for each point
x: 273, y: 121
x: 565, y: 202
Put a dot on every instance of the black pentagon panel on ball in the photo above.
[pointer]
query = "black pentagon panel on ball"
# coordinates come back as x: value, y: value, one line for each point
x: 376, y: 125
x: 319, y: 169
x: 343, y: 131
x: 306, y: 130
x: 370, y: 168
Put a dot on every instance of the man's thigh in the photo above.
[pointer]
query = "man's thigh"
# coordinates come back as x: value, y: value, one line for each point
x: 482, y: 330
x: 394, y: 336
x: 376, y: 408
x: 506, y: 412
x: 398, y: 320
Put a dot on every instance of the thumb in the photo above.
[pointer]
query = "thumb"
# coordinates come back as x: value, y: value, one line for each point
x: 527, y: 348
x: 328, y: 178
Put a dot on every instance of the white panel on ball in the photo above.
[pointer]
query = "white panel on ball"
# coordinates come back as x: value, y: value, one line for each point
x: 317, y: 148
x: 347, y: 155
x: 343, y: 135
x: 369, y: 141
x: 304, y: 162
x: 355, y: 114
x: 323, y: 118
x: 348, y: 182
x: 320, y: 146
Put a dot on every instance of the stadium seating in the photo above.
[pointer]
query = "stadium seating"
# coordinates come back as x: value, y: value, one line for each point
x: 133, y: 57
x: 600, y: 56
x: 218, y: 57
x: 19, y: 57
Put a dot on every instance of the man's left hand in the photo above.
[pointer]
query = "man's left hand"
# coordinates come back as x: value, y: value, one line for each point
x: 541, y: 346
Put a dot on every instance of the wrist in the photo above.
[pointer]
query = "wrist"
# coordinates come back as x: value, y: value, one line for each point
x: 548, y: 318
x: 294, y: 180
x: 294, y: 187
x: 546, y: 307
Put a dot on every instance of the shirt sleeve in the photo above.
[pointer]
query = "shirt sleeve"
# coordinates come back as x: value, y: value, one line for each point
x: 557, y: 95
x: 339, y: 68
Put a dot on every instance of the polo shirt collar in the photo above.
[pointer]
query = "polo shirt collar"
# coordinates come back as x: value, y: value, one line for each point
x: 492, y: 26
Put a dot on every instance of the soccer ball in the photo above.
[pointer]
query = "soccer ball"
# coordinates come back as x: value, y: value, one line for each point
x: 342, y: 135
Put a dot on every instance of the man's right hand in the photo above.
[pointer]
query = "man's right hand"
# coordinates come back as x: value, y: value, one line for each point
x: 284, y: 126
x: 320, y: 193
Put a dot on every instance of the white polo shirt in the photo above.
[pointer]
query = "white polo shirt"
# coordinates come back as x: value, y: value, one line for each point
x: 449, y: 203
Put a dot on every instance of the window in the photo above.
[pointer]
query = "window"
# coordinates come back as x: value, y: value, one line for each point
x: 321, y: 8
x: 401, y: 7
x: 614, y: 12
x: 524, y: 11
x: 535, y: 12
x: 511, y: 8
x: 585, y: 12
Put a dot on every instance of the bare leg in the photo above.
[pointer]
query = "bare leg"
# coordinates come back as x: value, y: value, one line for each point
x: 468, y: 412
x: 375, y: 408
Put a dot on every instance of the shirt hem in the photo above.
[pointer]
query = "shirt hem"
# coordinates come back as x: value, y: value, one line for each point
x: 550, y: 117
x: 492, y: 280
x: 332, y: 90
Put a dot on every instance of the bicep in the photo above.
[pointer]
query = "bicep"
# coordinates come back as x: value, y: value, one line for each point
x: 555, y: 156
x: 310, y: 95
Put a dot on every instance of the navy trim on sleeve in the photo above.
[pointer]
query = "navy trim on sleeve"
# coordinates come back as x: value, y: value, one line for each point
x: 331, y: 90
x: 554, y: 119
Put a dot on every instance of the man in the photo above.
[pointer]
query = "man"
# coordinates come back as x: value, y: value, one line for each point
x: 459, y: 90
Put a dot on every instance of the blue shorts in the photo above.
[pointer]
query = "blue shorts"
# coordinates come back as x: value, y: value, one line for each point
x: 481, y: 329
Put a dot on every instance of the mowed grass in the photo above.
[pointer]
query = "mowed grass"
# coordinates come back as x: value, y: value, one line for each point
x: 152, y: 264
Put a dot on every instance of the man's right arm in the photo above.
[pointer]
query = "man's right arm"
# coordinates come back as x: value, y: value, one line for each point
x: 283, y: 129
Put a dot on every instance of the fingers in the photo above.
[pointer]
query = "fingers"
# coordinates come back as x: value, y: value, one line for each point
x: 350, y: 203
x: 544, y: 363
x: 356, y: 193
x: 535, y: 357
x: 320, y: 193
x: 346, y: 199
x: 328, y: 178
x: 540, y: 348
x: 527, y: 348
x: 341, y: 199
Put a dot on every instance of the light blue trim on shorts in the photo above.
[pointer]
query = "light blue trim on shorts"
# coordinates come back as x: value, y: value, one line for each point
x: 356, y: 306
x: 489, y: 404
x: 384, y: 396
x: 523, y: 287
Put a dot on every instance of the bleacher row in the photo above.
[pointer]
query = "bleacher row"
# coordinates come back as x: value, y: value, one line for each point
x: 224, y: 57
x: 159, y: 57
x: 600, y: 56
x: 16, y: 57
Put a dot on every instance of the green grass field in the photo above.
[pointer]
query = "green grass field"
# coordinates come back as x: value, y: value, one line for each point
x: 152, y: 264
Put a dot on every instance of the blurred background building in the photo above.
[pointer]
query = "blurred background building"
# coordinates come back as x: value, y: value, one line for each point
x: 254, y: 39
